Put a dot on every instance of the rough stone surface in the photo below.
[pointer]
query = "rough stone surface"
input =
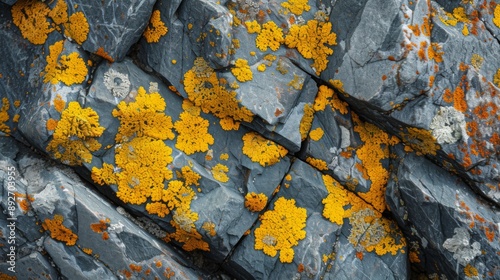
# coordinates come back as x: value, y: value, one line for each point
x: 198, y: 120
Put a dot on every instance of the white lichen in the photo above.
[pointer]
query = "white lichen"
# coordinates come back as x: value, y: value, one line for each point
x: 460, y: 246
x: 116, y: 82
x: 448, y: 125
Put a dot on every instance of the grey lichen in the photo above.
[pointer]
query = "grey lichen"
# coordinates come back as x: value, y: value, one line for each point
x: 116, y: 82
x: 448, y: 125
x: 460, y: 246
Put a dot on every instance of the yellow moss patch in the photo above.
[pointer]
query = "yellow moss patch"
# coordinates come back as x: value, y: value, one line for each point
x: 261, y: 150
x: 296, y: 6
x: 30, y: 16
x: 316, y: 134
x: 281, y: 229
x: 306, y: 121
x: 68, y: 69
x: 255, y: 202
x: 317, y: 163
x: 193, y: 131
x: 77, y: 28
x: 4, y: 115
x: 75, y: 136
x: 270, y: 36
x: 219, y: 172
x: 242, y: 71
x: 311, y: 40
x: 205, y: 91
x: 156, y: 28
x: 143, y: 117
x: 58, y: 231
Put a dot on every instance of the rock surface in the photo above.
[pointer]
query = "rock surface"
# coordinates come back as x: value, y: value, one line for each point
x: 252, y: 140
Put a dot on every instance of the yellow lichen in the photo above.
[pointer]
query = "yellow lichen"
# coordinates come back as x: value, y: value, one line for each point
x: 30, y: 16
x: 496, y: 16
x: 77, y: 28
x: 4, y: 115
x: 421, y: 141
x: 209, y: 227
x: 317, y: 163
x: 205, y: 91
x: 59, y: 14
x: 255, y: 202
x: 281, y: 229
x: 297, y: 7
x: 496, y: 77
x: 156, y: 28
x: 270, y: 36
x: 311, y: 40
x: 242, y: 71
x: 261, y: 150
x: 143, y: 117
x: 316, y: 134
x: 219, y: 172
x: 224, y: 156
x: 193, y: 131
x: 69, y: 69
x: 371, y: 153
x: 190, y: 177
x: 261, y: 67
x: 185, y: 232
x: 335, y: 202
x: 306, y: 121
x: 253, y: 26
x: 58, y: 231
x: 470, y: 271
x: 75, y: 136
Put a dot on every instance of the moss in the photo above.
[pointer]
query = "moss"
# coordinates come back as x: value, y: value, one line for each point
x: 156, y: 28
x: 205, y: 91
x: 77, y: 28
x: 30, y: 16
x: 75, y: 136
x: 242, y: 71
x: 311, y: 40
x: 193, y: 130
x: 255, y: 202
x: 58, y: 231
x: 132, y: 117
x: 270, y: 36
x: 68, y: 69
x: 219, y: 173
x: 281, y: 229
x: 261, y: 150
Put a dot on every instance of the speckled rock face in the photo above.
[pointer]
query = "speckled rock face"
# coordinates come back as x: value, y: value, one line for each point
x: 249, y: 139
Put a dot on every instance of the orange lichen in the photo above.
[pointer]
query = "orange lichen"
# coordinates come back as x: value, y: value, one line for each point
x: 183, y: 221
x: 102, y: 53
x: 297, y: 7
x: 261, y: 150
x: 100, y: 227
x: 75, y: 135
x: 51, y: 124
x: 434, y: 52
x: 58, y: 231
x: 30, y: 16
x: 242, y: 71
x: 306, y: 121
x: 156, y: 28
x: 193, y: 130
x: 135, y: 267
x: 205, y: 91
x: 281, y: 229
x: 413, y: 256
x: 270, y: 36
x: 4, y: 115
x: 255, y: 202
x: 496, y: 77
x: 59, y: 14
x: 59, y: 103
x: 219, y: 173
x: 470, y: 271
x: 311, y: 40
x: 69, y: 69
x: 87, y: 251
x: 459, y: 101
x: 209, y: 227
x: 316, y: 134
x: 77, y: 28
x: 132, y: 117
